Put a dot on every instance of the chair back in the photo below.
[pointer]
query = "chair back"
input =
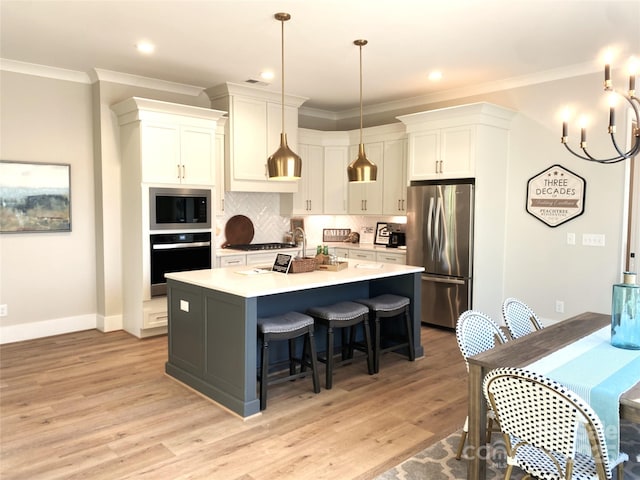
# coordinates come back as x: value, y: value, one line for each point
x: 519, y: 318
x: 477, y: 333
x: 536, y: 411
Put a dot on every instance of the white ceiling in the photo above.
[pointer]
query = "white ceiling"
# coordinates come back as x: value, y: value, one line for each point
x: 207, y: 42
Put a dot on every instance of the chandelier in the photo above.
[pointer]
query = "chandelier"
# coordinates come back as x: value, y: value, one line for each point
x: 614, y: 95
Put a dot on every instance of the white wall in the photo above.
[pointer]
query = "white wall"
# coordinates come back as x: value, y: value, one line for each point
x: 47, y: 280
x: 73, y: 282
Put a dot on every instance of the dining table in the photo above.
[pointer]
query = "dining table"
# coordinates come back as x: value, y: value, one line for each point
x: 520, y: 353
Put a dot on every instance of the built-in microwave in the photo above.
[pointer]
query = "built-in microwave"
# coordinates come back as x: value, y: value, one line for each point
x: 179, y: 208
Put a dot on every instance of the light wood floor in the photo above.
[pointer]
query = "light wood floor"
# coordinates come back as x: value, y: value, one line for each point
x: 90, y: 405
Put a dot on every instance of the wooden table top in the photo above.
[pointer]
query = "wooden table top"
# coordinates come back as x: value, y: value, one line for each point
x: 548, y: 340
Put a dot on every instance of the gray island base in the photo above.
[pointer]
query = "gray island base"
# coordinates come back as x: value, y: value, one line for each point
x: 213, y: 319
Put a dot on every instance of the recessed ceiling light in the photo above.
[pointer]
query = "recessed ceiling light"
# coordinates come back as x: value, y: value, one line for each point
x: 435, y: 75
x: 266, y: 75
x: 145, y: 47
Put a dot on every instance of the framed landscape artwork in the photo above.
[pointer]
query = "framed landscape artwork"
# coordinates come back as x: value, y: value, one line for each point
x: 35, y: 197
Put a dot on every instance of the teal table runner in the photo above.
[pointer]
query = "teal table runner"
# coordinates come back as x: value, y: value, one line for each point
x: 600, y: 373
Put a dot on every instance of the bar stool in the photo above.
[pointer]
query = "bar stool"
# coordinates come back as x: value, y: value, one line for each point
x: 287, y: 326
x: 389, y: 306
x: 343, y: 315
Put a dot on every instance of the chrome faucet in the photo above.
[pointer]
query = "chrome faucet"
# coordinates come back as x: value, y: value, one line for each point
x: 304, y: 240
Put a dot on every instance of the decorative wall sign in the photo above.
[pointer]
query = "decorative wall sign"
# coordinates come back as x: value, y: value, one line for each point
x: 35, y: 197
x: 556, y: 195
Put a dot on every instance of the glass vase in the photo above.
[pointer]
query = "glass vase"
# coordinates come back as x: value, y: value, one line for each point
x: 625, y: 314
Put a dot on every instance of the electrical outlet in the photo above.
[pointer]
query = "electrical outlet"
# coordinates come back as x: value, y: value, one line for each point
x: 559, y: 306
x: 4, y: 310
x: 571, y: 238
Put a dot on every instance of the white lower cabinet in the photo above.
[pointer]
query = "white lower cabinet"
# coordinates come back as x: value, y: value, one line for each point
x: 262, y: 258
x: 232, y: 260
x: 391, y: 257
x: 155, y: 313
x: 368, y: 255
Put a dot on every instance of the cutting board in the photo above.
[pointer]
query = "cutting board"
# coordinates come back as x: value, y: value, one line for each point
x: 238, y: 231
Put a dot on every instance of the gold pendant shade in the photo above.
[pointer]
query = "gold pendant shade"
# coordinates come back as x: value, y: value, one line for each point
x: 284, y: 164
x: 361, y: 169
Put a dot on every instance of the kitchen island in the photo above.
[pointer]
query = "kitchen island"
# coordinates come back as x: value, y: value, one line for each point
x: 212, y: 329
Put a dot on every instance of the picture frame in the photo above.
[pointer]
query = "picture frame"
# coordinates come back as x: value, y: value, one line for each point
x: 36, y: 197
x: 296, y: 223
x: 382, y: 234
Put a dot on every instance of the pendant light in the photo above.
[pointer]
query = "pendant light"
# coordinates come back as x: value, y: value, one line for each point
x: 361, y: 169
x: 284, y: 164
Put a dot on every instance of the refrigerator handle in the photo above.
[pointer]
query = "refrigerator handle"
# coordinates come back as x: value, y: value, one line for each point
x: 456, y: 281
x: 430, y: 216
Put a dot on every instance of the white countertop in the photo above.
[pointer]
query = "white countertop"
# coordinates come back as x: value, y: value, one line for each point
x: 229, y: 280
x: 223, y: 252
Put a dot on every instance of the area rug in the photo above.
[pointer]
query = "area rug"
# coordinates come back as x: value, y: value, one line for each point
x: 438, y: 462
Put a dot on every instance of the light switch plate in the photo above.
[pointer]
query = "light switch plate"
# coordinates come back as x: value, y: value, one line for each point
x: 593, y: 239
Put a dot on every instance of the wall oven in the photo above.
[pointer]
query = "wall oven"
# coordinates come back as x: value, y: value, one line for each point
x: 179, y: 208
x: 177, y: 252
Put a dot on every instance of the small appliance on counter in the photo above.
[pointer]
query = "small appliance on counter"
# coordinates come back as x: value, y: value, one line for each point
x: 397, y: 239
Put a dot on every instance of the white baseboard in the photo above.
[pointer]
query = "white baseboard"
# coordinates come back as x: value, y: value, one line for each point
x: 109, y: 324
x: 46, y: 328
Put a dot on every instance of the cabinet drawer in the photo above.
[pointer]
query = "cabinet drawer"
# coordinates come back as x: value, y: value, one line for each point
x: 155, y: 319
x: 362, y: 255
x: 233, y: 260
x: 390, y: 257
x: 261, y: 258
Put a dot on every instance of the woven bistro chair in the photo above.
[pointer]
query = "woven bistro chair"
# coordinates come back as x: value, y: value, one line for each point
x: 520, y: 319
x: 539, y: 419
x: 476, y: 333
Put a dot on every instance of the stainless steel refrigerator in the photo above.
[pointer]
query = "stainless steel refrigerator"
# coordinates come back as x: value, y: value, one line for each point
x: 439, y: 237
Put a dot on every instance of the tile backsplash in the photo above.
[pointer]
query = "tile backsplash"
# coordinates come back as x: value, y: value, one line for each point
x: 264, y: 211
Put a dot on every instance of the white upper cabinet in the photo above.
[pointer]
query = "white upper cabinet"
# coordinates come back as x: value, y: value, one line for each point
x: 336, y: 160
x: 252, y: 134
x: 366, y: 198
x: 442, y: 153
x: 219, y: 193
x: 169, y: 143
x: 308, y: 199
x: 394, y: 182
x: 444, y: 143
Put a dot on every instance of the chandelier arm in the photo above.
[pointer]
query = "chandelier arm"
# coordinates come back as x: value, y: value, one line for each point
x: 589, y: 158
x: 615, y: 145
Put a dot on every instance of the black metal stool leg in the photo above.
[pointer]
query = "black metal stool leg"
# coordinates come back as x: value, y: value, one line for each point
x: 314, y: 360
x: 367, y: 339
x: 376, y: 348
x: 265, y: 373
x: 412, y: 349
x: 329, y: 372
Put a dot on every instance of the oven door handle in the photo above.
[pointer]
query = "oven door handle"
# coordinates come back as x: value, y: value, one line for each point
x: 170, y: 246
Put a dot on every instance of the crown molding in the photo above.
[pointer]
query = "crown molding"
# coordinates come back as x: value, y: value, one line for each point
x: 46, y: 71
x: 489, y: 87
x: 98, y: 74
